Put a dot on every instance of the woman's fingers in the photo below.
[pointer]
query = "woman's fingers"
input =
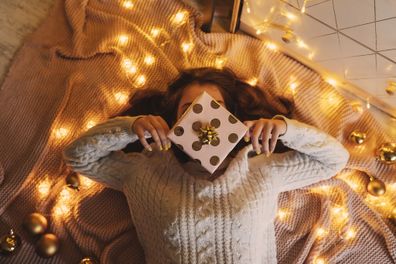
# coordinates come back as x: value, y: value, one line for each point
x: 258, y: 127
x: 140, y: 133
x: 265, y: 136
x: 249, y: 124
x: 274, y: 139
x: 160, y: 132
x: 154, y: 134
x: 166, y: 131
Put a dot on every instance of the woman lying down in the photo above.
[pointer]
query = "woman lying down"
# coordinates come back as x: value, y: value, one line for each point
x: 184, y: 214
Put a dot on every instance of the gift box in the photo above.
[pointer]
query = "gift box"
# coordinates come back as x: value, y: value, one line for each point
x: 207, y: 132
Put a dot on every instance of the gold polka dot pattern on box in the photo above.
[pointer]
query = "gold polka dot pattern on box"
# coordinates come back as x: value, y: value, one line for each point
x: 207, y: 132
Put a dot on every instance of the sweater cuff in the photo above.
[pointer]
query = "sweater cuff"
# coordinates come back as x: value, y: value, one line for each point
x: 291, y: 128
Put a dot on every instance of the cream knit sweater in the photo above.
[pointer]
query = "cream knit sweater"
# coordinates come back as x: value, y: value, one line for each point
x: 180, y: 216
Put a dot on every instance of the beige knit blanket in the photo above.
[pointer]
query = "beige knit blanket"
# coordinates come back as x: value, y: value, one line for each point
x: 72, y: 71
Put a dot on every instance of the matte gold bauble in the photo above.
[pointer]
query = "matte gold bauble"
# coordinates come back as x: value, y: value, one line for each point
x: 47, y: 246
x: 73, y: 181
x: 386, y: 153
x: 357, y: 137
x: 35, y: 224
x: 88, y: 261
x: 376, y: 187
x: 9, y: 243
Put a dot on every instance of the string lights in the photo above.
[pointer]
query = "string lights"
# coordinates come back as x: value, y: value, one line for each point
x: 61, y: 132
x: 123, y: 40
x: 149, y: 60
x: 129, y: 66
x: 339, y: 213
x: 253, y: 81
x: 187, y: 46
x: 121, y: 97
x: 128, y: 4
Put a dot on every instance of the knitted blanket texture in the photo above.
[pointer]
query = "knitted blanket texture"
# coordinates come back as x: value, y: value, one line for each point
x: 71, y: 71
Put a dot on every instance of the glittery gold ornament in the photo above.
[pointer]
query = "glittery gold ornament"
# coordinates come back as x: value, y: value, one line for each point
x: 88, y: 261
x: 386, y: 153
x: 357, y: 137
x: 9, y: 243
x: 48, y: 245
x: 207, y: 134
x: 376, y: 187
x: 35, y: 224
x: 73, y: 181
x: 391, y: 88
x: 288, y: 36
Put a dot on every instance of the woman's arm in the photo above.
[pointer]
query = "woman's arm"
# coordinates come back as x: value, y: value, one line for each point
x: 317, y: 156
x: 97, y: 152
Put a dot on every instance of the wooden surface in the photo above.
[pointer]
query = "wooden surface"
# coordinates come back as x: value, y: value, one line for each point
x: 18, y: 18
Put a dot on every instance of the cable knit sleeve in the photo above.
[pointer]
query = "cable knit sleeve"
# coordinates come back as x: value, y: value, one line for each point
x: 317, y: 156
x: 97, y: 152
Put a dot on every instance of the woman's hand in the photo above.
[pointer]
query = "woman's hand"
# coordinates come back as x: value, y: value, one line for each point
x: 158, y: 129
x: 264, y: 129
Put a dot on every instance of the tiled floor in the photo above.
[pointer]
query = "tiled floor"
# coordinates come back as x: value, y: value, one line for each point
x: 352, y: 38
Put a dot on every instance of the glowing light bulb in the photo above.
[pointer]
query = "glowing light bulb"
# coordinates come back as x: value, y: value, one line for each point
x: 258, y: 32
x: 247, y: 6
x: 128, y: 4
x: 121, y: 97
x: 180, y: 17
x: 272, y: 46
x: 90, y: 124
x: 368, y: 105
x: 320, y: 232
x: 319, y: 260
x: 293, y: 86
x: 123, y: 40
x: 187, y: 47
x: 129, y: 66
x: 149, y: 60
x: 302, y: 44
x: 303, y: 6
x: 155, y: 32
x: 61, y: 210
x: 141, y: 80
x: 349, y: 234
x: 220, y: 62
x: 290, y: 16
x: 331, y: 81
x: 311, y: 55
x: 61, y: 133
x: 252, y: 81
x: 65, y: 195
x: 340, y: 214
x: 44, y: 188
x: 86, y: 182
x: 282, y: 214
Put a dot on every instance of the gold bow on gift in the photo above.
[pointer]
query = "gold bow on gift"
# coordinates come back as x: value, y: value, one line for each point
x: 208, y: 134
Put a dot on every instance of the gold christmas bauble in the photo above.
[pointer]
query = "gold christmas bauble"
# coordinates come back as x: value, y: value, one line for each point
x: 88, y: 261
x: 35, y: 224
x: 288, y: 36
x: 386, y: 153
x: 376, y: 187
x: 391, y: 88
x: 357, y: 137
x: 9, y: 243
x: 47, y: 245
x: 73, y: 181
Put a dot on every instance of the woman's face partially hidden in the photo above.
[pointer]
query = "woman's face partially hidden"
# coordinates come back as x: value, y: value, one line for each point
x: 193, y: 91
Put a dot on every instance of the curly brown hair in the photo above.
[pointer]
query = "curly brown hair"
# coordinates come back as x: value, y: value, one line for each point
x: 243, y: 100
